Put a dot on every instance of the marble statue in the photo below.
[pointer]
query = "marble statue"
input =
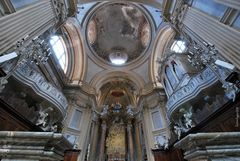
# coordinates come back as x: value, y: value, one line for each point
x: 178, y: 131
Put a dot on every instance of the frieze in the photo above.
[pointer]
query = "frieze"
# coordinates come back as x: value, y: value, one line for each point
x: 203, y: 80
x: 32, y: 78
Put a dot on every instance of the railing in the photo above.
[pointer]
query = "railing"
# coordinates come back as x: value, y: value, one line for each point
x: 44, y: 89
x: 187, y: 92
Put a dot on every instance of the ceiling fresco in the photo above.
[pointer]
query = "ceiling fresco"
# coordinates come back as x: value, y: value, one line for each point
x: 120, y: 30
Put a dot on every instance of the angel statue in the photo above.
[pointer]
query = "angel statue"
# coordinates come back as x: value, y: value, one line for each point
x: 178, y: 131
x: 188, y: 118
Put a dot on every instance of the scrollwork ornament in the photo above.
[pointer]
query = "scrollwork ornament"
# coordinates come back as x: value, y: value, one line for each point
x: 44, y: 118
x: 187, y: 114
x: 201, y: 58
x: 54, y: 128
x: 178, y: 131
x: 130, y: 111
x: 36, y: 51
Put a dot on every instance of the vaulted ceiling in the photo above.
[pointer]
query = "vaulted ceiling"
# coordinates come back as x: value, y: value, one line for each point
x: 119, y: 30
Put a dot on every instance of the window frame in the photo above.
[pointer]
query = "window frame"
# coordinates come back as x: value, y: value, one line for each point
x: 79, y: 121
x: 159, y: 112
x: 168, y: 87
x: 173, y: 85
x: 178, y: 72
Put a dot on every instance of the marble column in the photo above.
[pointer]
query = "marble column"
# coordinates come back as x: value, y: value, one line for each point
x: 219, y: 146
x: 130, y: 141
x: 102, y: 142
x: 225, y: 38
x: 94, y: 140
x: 230, y: 3
x: 138, y: 141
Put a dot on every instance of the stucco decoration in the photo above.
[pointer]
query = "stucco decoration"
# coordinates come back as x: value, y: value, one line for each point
x: 145, y: 34
x: 92, y: 32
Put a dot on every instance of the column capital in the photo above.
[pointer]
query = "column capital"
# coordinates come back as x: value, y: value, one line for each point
x: 104, y: 125
x: 129, y: 126
x: 95, y: 117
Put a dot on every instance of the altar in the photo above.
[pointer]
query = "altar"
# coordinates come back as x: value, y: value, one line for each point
x: 116, y: 143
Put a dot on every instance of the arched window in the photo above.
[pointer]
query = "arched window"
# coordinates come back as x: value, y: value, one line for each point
x: 170, y: 76
x: 177, y: 70
x: 167, y: 87
x: 60, y: 51
x: 178, y: 46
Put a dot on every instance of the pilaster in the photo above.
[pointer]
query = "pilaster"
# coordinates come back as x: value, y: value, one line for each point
x: 94, y: 140
x: 138, y: 142
x: 102, y: 141
x: 130, y: 141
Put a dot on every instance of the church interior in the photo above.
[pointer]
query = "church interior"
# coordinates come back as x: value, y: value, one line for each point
x: 127, y: 80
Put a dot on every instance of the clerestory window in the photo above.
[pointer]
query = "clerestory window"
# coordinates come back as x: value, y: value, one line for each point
x: 60, y: 51
x: 179, y: 46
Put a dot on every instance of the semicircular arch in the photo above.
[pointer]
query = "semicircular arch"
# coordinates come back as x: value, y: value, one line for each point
x: 163, y: 38
x: 78, y: 61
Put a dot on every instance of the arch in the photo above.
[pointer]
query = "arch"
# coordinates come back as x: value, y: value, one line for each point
x: 77, y: 60
x: 163, y: 38
x: 128, y: 95
x: 106, y: 76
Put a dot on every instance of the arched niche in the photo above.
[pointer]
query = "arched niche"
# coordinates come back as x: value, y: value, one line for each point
x: 105, y: 77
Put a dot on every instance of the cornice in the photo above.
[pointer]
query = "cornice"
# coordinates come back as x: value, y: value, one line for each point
x: 41, y: 87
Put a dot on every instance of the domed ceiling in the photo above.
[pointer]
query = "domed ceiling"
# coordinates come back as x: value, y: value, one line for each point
x: 118, y: 32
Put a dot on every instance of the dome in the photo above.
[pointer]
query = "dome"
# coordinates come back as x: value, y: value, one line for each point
x: 118, y: 31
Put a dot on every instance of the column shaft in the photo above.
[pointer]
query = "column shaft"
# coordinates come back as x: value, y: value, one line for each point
x: 130, y: 142
x: 94, y: 140
x: 102, y: 142
x: 138, y: 142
